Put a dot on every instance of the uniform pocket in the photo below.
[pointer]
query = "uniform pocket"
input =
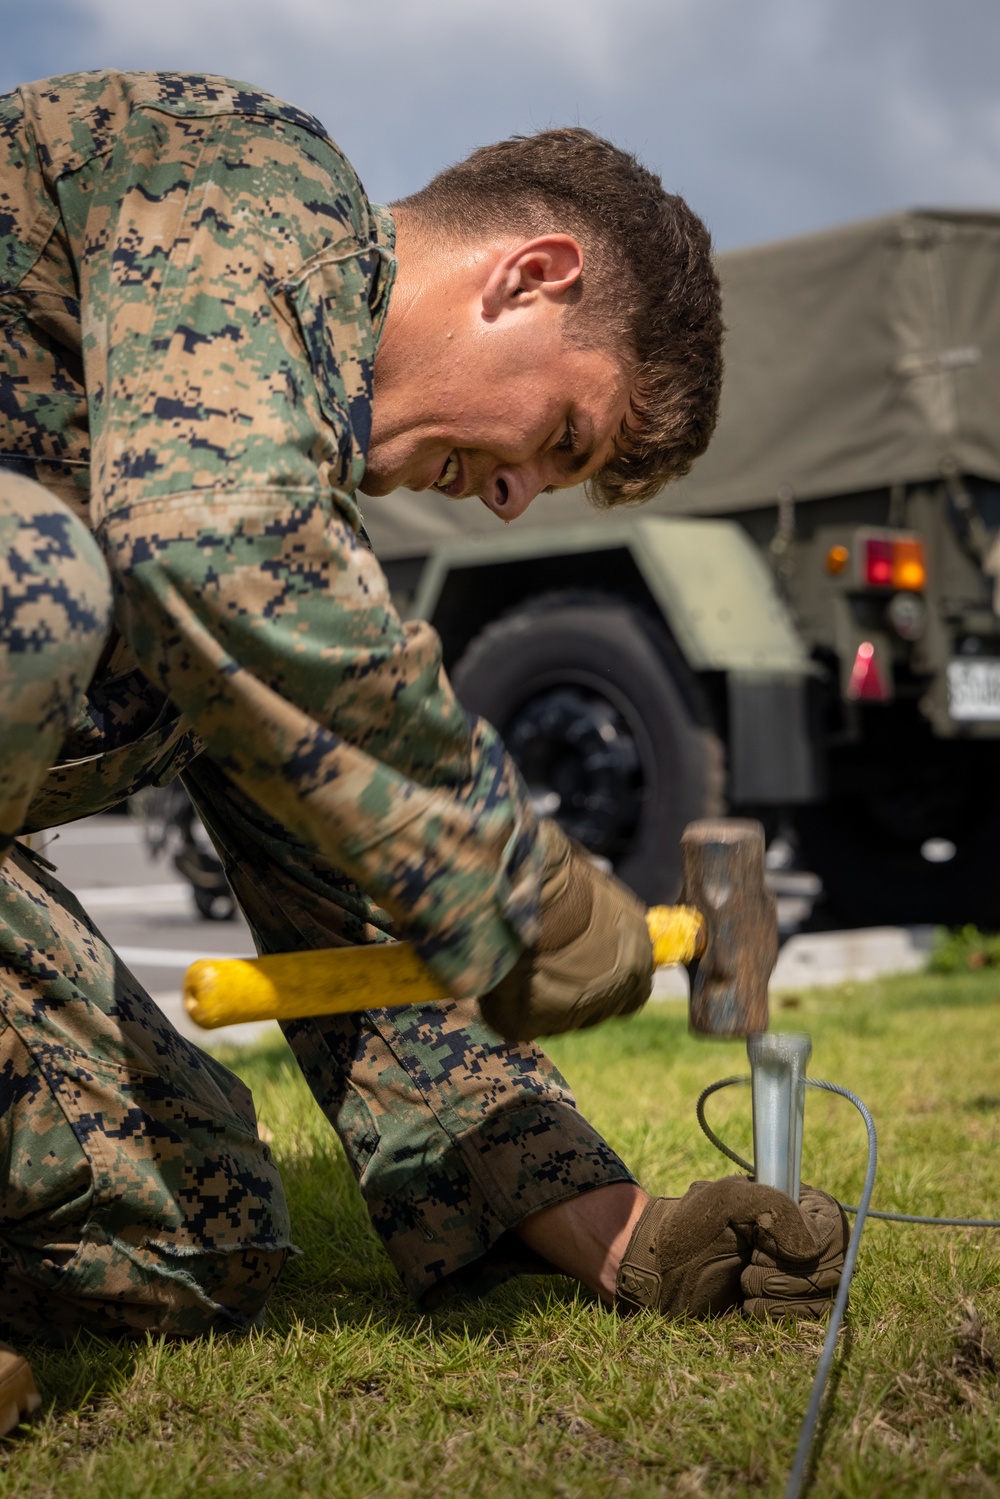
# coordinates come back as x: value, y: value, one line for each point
x: 46, y: 1179
x: 123, y: 1207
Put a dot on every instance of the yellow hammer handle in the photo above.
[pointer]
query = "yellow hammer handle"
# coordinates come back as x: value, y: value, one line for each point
x: 290, y: 985
x: 677, y: 934
x: 338, y: 980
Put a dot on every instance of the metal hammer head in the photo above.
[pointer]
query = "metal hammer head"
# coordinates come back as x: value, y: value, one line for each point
x: 724, y: 879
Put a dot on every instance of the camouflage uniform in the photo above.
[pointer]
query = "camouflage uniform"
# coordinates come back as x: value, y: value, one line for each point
x: 192, y: 287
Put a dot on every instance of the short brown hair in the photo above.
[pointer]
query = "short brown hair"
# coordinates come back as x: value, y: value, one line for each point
x: 649, y: 284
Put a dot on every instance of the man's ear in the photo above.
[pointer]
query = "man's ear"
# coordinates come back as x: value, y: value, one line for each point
x: 544, y: 267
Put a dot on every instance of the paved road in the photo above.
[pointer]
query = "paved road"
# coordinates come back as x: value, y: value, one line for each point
x: 146, y: 911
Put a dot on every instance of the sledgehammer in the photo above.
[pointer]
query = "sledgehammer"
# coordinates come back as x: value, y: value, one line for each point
x: 725, y: 930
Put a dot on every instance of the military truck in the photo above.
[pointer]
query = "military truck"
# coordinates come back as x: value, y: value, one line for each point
x: 806, y: 628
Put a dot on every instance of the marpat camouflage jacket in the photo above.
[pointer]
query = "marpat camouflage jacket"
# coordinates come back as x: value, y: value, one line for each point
x: 192, y: 288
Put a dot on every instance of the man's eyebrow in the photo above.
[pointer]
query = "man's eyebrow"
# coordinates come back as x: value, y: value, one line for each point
x: 574, y: 465
x: 579, y: 461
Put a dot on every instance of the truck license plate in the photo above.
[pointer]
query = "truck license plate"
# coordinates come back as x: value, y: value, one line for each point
x: 974, y: 690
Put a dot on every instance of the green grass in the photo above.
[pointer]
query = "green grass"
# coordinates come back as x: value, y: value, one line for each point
x: 537, y: 1391
x: 966, y: 948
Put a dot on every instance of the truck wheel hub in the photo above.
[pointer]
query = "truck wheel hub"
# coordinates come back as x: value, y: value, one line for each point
x: 580, y: 760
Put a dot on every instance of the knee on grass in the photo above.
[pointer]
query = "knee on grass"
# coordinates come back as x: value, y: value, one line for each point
x: 118, y: 1290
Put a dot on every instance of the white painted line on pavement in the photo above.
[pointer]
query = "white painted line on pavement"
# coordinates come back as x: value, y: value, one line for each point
x: 169, y: 957
x: 176, y: 896
x: 79, y: 834
x: 814, y: 959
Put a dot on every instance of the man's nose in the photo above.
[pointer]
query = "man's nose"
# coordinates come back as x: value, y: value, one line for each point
x: 510, y: 490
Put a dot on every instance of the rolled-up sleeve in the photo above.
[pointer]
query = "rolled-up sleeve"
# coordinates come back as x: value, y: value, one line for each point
x: 229, y: 358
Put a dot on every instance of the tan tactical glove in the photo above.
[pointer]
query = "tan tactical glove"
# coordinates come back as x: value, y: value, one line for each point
x: 593, y: 958
x: 776, y: 1286
x: 687, y: 1254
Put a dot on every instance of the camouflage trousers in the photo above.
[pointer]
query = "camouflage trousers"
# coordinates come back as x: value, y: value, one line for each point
x: 135, y: 1192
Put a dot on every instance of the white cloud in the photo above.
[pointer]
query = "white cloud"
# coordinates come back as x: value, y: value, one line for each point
x: 591, y: 41
x: 773, y: 116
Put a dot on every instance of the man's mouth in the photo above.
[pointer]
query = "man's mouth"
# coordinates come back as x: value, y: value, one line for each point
x: 449, y: 481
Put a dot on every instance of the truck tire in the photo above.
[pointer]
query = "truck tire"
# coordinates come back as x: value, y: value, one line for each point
x: 599, y: 713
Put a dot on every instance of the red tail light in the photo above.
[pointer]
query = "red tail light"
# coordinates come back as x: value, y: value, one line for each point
x: 878, y: 563
x: 893, y: 562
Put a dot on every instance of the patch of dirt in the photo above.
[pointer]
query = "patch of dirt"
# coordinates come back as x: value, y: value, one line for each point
x: 984, y: 1103
x: 691, y: 1485
x: 976, y: 1350
x: 584, y: 1438
x: 931, y: 1388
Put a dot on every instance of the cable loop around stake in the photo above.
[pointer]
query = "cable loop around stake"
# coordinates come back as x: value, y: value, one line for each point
x: 797, y: 1474
x: 849, y: 1207
x: 706, y: 1128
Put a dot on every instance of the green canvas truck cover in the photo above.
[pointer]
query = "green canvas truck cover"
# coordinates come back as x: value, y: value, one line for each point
x: 856, y: 358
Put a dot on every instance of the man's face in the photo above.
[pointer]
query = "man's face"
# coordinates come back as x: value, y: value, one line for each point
x: 502, y: 407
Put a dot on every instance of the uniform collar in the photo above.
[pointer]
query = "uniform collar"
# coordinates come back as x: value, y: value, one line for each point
x: 384, y: 226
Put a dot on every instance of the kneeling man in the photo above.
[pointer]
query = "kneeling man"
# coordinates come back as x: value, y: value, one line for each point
x: 211, y: 346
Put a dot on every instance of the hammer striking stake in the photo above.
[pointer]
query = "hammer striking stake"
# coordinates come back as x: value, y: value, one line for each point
x: 727, y: 936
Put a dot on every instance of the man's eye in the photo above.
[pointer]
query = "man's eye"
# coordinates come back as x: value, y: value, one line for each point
x: 568, y: 439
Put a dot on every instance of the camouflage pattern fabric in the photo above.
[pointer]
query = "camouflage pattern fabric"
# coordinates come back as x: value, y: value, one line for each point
x: 136, y: 1194
x: 54, y: 622
x: 193, y: 289
x: 454, y: 1135
x: 192, y: 286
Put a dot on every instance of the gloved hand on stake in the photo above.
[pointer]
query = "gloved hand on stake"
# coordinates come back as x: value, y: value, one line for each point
x: 691, y: 1255
x: 775, y: 1284
x: 593, y: 958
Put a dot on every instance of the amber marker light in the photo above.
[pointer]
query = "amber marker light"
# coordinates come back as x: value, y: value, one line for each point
x: 837, y: 559
x: 909, y: 569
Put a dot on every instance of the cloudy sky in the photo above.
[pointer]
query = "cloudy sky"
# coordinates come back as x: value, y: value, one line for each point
x: 773, y: 117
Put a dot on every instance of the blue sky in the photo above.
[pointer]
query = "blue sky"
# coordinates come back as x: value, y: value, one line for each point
x: 773, y: 117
